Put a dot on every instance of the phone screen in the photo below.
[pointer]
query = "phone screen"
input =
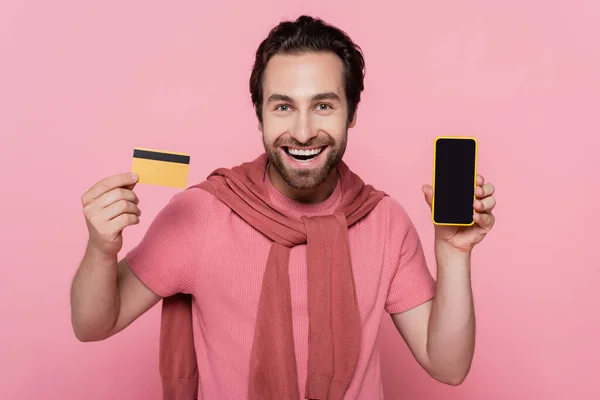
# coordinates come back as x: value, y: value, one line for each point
x: 454, y: 181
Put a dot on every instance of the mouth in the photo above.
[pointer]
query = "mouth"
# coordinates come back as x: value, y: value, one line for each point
x: 303, y: 155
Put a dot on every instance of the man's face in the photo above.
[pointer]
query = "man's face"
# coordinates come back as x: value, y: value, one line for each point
x: 305, y: 117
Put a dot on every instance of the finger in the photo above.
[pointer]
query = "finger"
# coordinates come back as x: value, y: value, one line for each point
x: 480, y: 180
x: 107, y: 184
x: 122, y: 221
x: 484, y: 205
x: 118, y: 208
x: 485, y: 221
x: 427, y: 193
x: 484, y: 191
x: 115, y: 195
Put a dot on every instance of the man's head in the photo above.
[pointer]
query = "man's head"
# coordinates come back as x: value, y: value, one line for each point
x: 306, y: 85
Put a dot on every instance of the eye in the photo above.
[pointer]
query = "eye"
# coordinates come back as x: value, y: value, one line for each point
x: 323, y: 107
x: 282, y: 107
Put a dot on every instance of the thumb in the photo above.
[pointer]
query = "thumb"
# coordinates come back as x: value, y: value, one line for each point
x: 427, y: 193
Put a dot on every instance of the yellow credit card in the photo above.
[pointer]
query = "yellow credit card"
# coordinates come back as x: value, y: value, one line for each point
x: 163, y: 168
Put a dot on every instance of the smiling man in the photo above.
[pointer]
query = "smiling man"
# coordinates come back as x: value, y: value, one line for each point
x: 290, y: 259
x: 304, y: 121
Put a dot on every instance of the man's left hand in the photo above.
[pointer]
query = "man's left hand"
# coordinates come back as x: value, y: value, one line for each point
x: 464, y: 238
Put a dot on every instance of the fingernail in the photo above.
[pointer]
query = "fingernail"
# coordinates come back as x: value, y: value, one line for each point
x: 134, y: 176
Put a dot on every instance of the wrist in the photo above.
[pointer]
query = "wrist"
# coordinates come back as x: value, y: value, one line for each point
x: 99, y: 255
x: 445, y: 247
x: 448, y: 255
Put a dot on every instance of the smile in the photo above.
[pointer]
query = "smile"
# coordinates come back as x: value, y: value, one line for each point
x: 303, y: 155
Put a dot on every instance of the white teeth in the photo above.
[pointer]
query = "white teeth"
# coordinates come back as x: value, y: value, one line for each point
x: 298, y: 152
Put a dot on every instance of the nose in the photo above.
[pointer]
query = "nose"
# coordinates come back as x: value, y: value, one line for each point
x: 304, y: 129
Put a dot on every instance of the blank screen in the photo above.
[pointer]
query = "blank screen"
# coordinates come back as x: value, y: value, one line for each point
x: 454, y: 181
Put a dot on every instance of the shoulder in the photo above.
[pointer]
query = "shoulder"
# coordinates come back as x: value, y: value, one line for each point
x: 400, y: 228
x: 190, y: 199
x: 193, y: 197
x: 395, y: 213
x: 187, y: 207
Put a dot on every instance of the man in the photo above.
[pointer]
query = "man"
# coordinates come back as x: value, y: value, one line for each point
x: 290, y: 258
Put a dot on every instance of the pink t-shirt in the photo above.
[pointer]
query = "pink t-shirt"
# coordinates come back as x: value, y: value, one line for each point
x: 197, y: 245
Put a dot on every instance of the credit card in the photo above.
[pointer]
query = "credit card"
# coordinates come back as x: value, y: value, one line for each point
x: 162, y: 168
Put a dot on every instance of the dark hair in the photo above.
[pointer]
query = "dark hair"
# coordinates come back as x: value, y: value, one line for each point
x: 308, y: 34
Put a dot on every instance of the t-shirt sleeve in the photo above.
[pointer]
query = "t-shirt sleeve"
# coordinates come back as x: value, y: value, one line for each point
x: 166, y: 259
x: 412, y: 283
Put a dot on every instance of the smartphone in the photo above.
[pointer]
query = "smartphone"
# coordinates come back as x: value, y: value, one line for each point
x: 454, y: 180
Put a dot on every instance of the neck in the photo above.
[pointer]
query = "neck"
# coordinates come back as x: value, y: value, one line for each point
x: 310, y: 196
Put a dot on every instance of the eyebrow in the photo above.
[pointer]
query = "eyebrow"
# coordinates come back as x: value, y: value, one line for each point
x: 317, y: 97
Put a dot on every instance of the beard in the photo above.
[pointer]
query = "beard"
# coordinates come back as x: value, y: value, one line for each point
x: 302, y: 179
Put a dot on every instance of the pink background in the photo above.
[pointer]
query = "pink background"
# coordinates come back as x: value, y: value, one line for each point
x: 82, y: 83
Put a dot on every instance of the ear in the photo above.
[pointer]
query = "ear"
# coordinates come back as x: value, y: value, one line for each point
x: 353, y: 122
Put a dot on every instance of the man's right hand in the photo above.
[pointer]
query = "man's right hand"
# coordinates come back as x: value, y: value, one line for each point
x: 109, y: 206
x: 106, y: 296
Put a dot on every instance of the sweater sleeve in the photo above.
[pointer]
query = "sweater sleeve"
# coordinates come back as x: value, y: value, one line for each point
x: 166, y: 259
x: 412, y: 283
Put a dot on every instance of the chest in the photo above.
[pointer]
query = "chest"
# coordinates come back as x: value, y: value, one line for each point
x: 230, y: 271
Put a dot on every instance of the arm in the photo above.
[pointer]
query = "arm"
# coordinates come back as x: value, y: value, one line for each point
x: 441, y: 332
x: 106, y: 297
